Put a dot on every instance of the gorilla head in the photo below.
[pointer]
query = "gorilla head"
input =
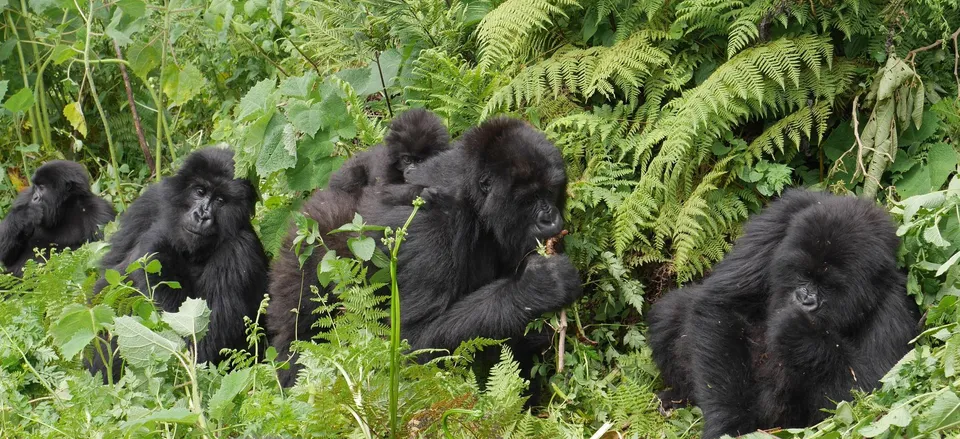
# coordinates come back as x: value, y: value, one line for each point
x: 53, y: 184
x: 414, y: 136
x: 835, y: 262
x: 208, y: 204
x: 515, y: 180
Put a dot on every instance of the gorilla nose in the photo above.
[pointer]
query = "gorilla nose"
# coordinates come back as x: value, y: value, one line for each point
x: 807, y: 299
x: 549, y: 223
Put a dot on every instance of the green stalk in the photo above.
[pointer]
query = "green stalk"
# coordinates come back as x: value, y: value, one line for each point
x: 31, y: 113
x: 96, y: 101
x: 395, y: 322
x: 40, y: 90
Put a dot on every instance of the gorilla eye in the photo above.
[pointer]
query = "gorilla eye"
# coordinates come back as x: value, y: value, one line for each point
x: 220, y: 199
x: 485, y: 184
x: 201, y: 191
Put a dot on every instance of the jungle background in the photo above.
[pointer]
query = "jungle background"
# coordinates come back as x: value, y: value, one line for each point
x: 677, y: 119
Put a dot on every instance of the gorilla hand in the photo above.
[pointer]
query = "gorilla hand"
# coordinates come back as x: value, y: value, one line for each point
x: 554, y: 279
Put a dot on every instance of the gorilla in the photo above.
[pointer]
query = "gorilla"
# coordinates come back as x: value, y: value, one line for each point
x: 197, y: 224
x: 468, y: 267
x: 57, y: 212
x: 414, y: 136
x: 808, y: 305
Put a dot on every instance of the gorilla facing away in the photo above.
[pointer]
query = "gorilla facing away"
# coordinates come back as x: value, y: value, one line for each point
x: 415, y: 135
x: 57, y: 212
x: 468, y: 267
x: 197, y: 224
x: 808, y: 305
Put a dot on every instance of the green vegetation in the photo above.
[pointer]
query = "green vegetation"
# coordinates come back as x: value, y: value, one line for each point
x: 677, y: 119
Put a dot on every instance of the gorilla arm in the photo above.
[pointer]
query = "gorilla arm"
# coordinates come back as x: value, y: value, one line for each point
x: 18, y: 227
x: 499, y: 309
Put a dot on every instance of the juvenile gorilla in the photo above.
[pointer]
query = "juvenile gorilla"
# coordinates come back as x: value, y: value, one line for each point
x: 414, y: 136
x: 197, y: 224
x: 808, y: 305
x: 468, y: 267
x: 58, y: 211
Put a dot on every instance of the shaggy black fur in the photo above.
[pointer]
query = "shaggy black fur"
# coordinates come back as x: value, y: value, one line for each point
x: 197, y: 223
x: 414, y: 136
x: 57, y: 212
x: 808, y: 305
x: 468, y: 267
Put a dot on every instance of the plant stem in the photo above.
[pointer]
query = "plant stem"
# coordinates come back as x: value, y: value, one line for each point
x: 133, y: 111
x: 31, y: 113
x: 383, y: 84
x: 395, y: 323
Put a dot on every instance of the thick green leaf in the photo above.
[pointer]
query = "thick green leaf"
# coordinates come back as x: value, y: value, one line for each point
x: 133, y: 8
x: 362, y: 247
x: 274, y: 153
x: 3, y: 89
x: 143, y: 58
x: 298, y: 86
x: 142, y: 347
x: 181, y: 85
x: 945, y: 412
x: 221, y: 404
x: 21, y: 101
x: 256, y: 101
x: 306, y: 117
x: 77, y: 326
x: 192, y: 319
x: 899, y: 417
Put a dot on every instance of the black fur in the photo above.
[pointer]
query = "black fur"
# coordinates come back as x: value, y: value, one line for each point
x: 415, y: 136
x: 58, y: 211
x: 468, y: 267
x: 197, y: 223
x: 808, y: 305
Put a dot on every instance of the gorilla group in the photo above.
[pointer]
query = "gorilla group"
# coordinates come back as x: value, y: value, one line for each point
x: 57, y: 212
x: 468, y: 267
x: 808, y: 305
x: 197, y: 224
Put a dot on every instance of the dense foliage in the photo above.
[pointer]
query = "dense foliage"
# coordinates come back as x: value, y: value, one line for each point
x: 677, y: 120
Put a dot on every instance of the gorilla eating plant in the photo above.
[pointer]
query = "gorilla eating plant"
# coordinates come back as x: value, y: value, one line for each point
x: 468, y: 267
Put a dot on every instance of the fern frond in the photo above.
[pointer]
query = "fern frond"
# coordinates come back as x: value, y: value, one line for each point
x: 505, y: 31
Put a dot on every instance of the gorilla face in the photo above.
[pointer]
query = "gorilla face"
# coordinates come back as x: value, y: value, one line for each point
x: 517, y: 190
x: 209, y: 205
x: 822, y: 270
x: 53, y: 184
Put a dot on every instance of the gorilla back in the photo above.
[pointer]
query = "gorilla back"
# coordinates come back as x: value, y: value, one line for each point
x: 58, y: 211
x: 808, y: 305
x: 197, y: 224
x: 468, y: 267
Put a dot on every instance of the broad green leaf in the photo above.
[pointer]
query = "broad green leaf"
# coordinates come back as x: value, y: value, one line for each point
x: 306, y: 117
x: 122, y: 27
x: 143, y: 58
x: 133, y: 8
x: 274, y: 153
x: 256, y: 100
x: 39, y: 6
x: 945, y: 412
x: 951, y: 355
x: 221, y: 404
x: 77, y: 326
x: 950, y: 263
x: 298, y: 86
x: 176, y: 415
x: 894, y: 73
x: 62, y: 54
x: 3, y: 89
x: 153, y: 267
x: 142, y: 347
x: 21, y: 101
x: 74, y: 114
x: 112, y: 276
x: 192, y: 319
x: 932, y: 235
x: 899, y: 417
x: 362, y: 247
x: 181, y: 85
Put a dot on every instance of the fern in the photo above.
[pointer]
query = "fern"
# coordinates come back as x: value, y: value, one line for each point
x: 515, y: 26
x: 584, y: 72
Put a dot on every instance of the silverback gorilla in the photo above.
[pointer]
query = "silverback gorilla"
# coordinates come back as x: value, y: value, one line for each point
x: 197, y: 224
x: 468, y: 267
x: 57, y: 212
x: 808, y: 305
x: 415, y: 135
